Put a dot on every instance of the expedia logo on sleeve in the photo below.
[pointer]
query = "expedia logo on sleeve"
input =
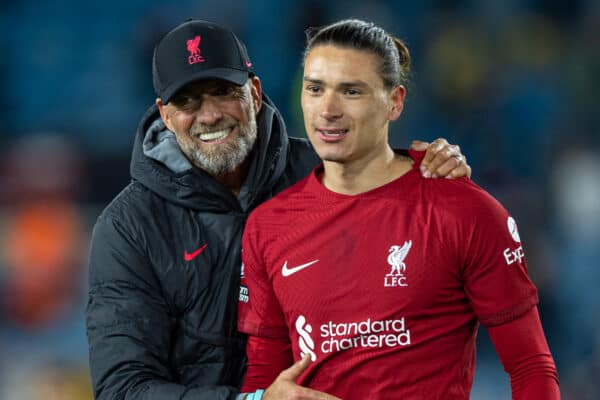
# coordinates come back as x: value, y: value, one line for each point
x: 513, y: 255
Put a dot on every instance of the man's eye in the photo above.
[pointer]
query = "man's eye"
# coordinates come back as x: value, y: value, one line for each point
x: 226, y: 91
x: 313, y: 89
x: 180, y: 101
x: 221, y: 91
x: 353, y: 92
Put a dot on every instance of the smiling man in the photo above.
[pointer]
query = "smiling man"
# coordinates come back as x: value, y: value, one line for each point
x: 219, y: 139
x: 370, y: 276
x: 164, y: 263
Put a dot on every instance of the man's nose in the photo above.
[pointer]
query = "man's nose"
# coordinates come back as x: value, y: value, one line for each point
x: 209, y: 112
x: 330, y: 106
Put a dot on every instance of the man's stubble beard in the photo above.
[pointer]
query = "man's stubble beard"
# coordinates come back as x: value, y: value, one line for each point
x: 226, y: 157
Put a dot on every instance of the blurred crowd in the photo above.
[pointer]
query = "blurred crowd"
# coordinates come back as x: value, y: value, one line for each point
x: 514, y: 82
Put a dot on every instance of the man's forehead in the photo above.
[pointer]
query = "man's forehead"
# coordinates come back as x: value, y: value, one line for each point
x: 341, y: 66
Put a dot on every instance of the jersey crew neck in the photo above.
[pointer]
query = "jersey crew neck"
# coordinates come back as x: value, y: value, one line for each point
x: 316, y: 187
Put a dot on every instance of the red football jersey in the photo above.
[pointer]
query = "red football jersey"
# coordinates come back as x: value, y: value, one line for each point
x: 384, y: 289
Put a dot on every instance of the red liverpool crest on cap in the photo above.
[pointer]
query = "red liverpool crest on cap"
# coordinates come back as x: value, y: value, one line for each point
x: 194, y: 49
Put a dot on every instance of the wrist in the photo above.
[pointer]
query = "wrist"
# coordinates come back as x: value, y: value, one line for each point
x: 255, y: 395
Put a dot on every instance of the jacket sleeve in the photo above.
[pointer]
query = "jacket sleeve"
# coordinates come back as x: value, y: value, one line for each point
x: 129, y: 323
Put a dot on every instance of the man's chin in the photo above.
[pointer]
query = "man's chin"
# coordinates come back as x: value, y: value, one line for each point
x: 214, y: 167
x: 334, y: 158
x: 220, y: 162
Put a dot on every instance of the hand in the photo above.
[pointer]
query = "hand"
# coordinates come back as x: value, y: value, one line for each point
x: 284, y: 387
x: 442, y: 160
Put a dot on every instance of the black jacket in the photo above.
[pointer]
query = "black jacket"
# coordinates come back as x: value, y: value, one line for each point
x: 158, y: 326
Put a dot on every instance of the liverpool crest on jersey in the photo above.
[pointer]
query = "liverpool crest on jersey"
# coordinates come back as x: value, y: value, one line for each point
x: 397, y: 254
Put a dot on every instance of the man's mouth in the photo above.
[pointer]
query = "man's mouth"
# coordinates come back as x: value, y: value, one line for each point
x: 332, y: 132
x: 210, y: 137
x: 330, y: 135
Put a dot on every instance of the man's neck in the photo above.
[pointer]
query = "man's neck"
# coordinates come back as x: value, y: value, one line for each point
x: 234, y: 180
x: 365, y: 174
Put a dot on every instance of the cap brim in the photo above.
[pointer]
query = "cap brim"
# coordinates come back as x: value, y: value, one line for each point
x: 235, y: 76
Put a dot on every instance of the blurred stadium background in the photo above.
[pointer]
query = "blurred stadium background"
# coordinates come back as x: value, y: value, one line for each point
x: 515, y: 82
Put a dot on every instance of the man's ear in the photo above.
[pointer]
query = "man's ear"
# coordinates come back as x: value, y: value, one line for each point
x: 397, y: 98
x: 256, y: 91
x: 163, y: 114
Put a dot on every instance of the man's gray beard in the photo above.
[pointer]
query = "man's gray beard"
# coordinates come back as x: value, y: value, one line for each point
x: 228, y: 156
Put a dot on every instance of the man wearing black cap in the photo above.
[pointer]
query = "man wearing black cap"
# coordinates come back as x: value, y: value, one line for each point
x: 165, y: 254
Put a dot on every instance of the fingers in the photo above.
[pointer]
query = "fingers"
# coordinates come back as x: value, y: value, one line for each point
x: 463, y: 170
x: 451, y: 168
x: 454, y: 168
x: 295, y: 392
x: 285, y: 387
x: 293, y: 372
x: 309, y: 394
x: 433, y: 149
x: 447, y: 153
x: 419, y: 145
x: 444, y: 160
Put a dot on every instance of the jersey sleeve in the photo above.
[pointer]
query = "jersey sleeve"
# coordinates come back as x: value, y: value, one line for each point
x: 259, y: 311
x: 523, y: 351
x: 266, y: 359
x: 495, y: 272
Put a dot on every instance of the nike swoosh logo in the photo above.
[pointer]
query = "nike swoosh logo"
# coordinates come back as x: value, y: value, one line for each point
x: 285, y: 271
x: 190, y: 256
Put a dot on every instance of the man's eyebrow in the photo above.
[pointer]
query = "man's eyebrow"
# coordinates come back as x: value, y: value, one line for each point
x: 313, y: 80
x: 356, y: 83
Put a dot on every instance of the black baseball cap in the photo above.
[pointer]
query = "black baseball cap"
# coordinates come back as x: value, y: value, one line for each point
x: 197, y: 50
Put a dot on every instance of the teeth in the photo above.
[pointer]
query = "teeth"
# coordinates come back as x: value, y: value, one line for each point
x: 214, y: 135
x: 334, y: 133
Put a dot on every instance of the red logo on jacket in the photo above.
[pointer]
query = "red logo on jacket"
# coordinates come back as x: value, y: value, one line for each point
x: 193, y: 48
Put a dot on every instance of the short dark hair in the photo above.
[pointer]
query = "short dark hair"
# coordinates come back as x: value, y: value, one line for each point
x: 361, y: 35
